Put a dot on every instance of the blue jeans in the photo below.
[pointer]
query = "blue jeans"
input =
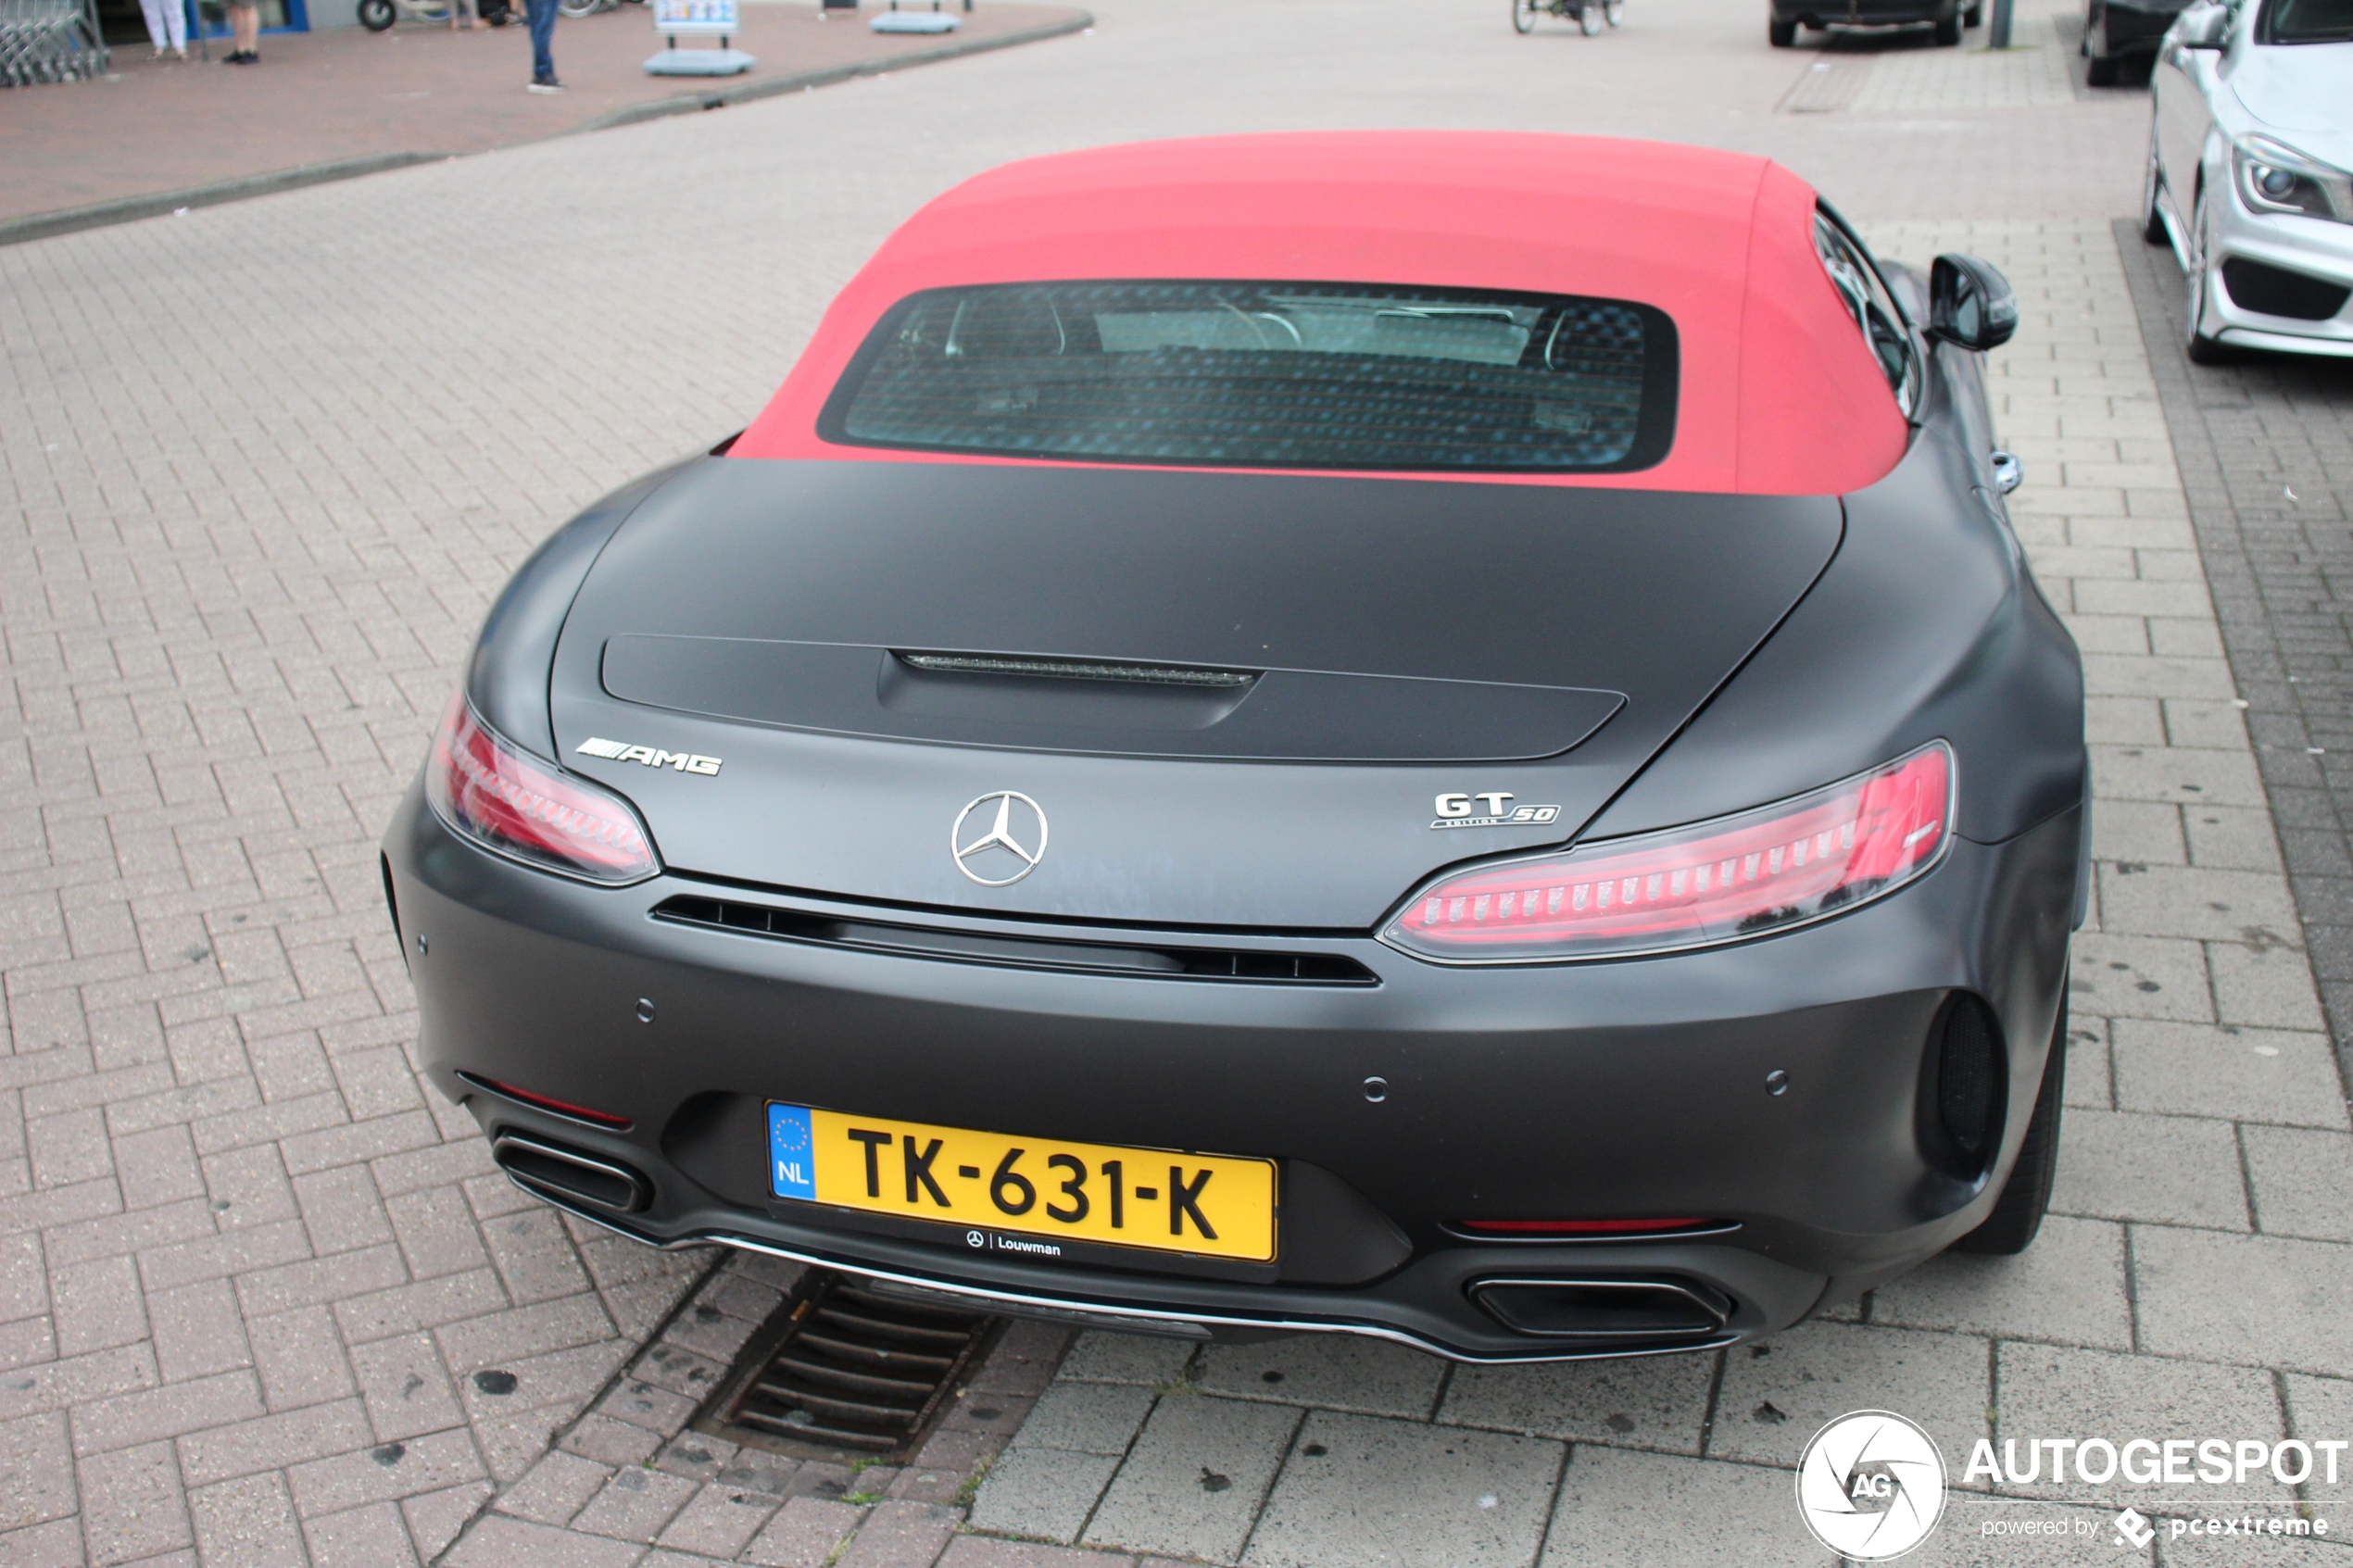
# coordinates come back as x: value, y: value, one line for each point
x: 543, y: 33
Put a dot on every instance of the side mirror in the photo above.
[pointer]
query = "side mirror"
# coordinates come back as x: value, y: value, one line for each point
x: 1970, y: 303
x: 2203, y: 27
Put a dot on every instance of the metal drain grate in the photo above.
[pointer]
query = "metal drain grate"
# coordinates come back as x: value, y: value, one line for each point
x: 856, y: 1371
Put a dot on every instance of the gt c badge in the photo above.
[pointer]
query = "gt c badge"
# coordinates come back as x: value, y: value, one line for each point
x: 652, y: 756
x: 998, y: 838
x: 1455, y: 811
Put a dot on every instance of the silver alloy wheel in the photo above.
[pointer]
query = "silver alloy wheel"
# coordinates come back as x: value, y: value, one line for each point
x: 1616, y: 11
x: 1589, y: 18
x: 1523, y: 16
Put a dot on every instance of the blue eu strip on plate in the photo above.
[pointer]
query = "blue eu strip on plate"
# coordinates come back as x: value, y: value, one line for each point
x: 792, y: 1171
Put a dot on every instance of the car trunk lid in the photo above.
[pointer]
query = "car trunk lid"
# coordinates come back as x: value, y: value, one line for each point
x: 1236, y: 698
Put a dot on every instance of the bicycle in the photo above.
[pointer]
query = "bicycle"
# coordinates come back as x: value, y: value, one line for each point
x: 1590, y: 16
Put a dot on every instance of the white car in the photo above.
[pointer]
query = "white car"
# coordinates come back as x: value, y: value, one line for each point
x: 2249, y: 173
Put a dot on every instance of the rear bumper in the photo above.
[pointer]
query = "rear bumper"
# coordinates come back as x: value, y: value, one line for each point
x: 2122, y: 31
x: 1633, y: 1089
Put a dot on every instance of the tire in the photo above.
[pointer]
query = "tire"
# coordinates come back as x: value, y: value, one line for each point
x: 1615, y: 10
x: 2153, y: 228
x: 376, y: 15
x: 1780, y: 34
x: 1523, y: 16
x: 574, y: 10
x: 1949, y: 30
x: 1974, y: 15
x: 2018, y: 1213
x: 1589, y: 18
x: 2100, y: 70
x: 2202, y: 350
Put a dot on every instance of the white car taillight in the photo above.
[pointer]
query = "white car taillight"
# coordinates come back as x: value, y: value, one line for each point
x: 512, y: 803
x: 1762, y: 871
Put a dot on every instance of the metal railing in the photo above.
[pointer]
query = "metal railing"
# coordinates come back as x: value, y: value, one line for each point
x: 50, y: 41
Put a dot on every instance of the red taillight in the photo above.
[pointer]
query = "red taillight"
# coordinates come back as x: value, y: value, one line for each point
x: 518, y: 805
x: 1763, y: 871
x: 1579, y: 1228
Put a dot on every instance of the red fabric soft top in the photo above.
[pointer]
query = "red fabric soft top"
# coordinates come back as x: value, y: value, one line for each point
x: 1779, y: 394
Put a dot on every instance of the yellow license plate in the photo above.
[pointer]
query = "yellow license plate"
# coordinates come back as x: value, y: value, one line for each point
x: 1200, y: 1203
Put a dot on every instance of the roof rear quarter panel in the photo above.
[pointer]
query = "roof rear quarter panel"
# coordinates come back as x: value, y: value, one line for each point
x: 1926, y: 626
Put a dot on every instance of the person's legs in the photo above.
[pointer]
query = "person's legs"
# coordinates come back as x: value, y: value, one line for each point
x: 153, y: 10
x: 542, y: 37
x: 244, y: 22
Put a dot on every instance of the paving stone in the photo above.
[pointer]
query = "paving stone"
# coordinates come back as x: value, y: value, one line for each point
x: 2259, y: 1299
x: 1193, y: 1485
x: 2057, y: 1391
x: 435, y: 1518
x: 1646, y: 1403
x: 373, y: 1536
x: 2264, y: 984
x: 2069, y: 1285
x: 1046, y: 1493
x: 1099, y: 1357
x: 980, y: 1551
x: 2176, y: 1169
x: 1777, y: 1394
x: 2246, y: 1074
x: 1087, y: 1418
x: 247, y: 1520
x: 2302, y: 1182
x: 901, y: 1535
x: 1619, y: 1509
x: 804, y: 1534
x: 719, y: 1520
x: 2139, y: 977
x: 132, y: 1504
x: 557, y: 1488
x: 36, y: 1462
x: 503, y: 1543
x: 1396, y: 1494
x: 1333, y: 1371
x: 2320, y: 1409
x: 635, y: 1504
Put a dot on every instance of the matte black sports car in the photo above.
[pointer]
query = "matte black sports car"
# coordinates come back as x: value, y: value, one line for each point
x: 1433, y: 735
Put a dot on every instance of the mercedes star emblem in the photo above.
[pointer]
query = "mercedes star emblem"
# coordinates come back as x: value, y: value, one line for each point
x: 1006, y: 831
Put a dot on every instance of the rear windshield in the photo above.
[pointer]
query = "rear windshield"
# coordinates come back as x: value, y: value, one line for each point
x: 2308, y: 21
x: 1267, y: 375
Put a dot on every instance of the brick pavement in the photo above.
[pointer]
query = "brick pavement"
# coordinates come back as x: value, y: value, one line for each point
x: 321, y: 97
x: 2266, y: 451
x: 251, y: 1271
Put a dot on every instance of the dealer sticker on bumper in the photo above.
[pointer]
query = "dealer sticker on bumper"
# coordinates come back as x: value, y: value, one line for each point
x: 1174, y: 1202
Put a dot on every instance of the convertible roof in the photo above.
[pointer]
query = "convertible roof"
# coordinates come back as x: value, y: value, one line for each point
x: 1779, y: 394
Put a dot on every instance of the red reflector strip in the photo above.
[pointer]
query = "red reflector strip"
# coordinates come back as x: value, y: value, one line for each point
x: 1719, y: 881
x: 1577, y: 1227
x: 561, y: 1108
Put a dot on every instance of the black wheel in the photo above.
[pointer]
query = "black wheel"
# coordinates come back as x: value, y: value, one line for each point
x: 1974, y: 15
x: 375, y: 14
x: 1948, y: 30
x: 2152, y: 222
x: 2201, y: 348
x: 2100, y: 70
x: 1780, y: 34
x: 2018, y: 1213
x: 1523, y: 16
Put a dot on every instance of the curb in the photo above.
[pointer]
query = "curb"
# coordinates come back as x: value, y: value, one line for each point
x: 128, y: 209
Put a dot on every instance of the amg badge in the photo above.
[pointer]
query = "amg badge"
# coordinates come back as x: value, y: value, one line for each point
x: 652, y: 756
x: 1455, y: 811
